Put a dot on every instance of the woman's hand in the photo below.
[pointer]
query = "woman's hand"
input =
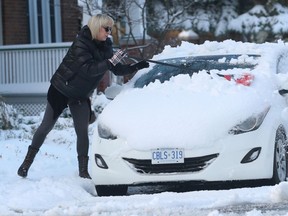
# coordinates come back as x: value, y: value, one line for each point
x: 140, y: 65
x: 117, y: 57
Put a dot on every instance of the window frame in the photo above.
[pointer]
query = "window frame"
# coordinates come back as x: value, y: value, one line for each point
x: 40, y: 25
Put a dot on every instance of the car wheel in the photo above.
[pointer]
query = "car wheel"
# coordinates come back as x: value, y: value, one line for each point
x: 280, y: 157
x: 111, y: 190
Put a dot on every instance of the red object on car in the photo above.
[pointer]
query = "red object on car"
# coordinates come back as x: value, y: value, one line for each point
x: 245, y: 79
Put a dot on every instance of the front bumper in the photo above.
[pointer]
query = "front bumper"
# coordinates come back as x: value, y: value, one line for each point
x: 218, y: 162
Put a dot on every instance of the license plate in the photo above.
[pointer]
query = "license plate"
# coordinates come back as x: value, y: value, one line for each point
x: 167, y: 155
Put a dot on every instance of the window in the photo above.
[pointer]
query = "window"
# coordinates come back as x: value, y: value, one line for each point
x: 45, y: 21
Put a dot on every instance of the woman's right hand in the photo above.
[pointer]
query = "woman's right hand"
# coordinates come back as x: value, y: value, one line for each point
x: 117, y: 57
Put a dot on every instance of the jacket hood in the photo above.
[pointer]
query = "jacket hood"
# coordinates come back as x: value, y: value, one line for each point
x: 85, y: 32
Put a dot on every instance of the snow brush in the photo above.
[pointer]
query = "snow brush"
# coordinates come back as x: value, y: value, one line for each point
x: 244, y: 79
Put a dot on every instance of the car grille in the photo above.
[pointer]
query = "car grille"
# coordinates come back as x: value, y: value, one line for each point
x: 194, y: 164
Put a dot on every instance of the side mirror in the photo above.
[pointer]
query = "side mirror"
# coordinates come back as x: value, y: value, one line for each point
x: 112, y: 91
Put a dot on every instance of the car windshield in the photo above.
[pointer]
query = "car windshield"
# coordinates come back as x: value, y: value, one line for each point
x: 188, y: 65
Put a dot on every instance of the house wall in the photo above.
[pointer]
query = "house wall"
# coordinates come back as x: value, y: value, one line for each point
x: 16, y: 21
x: 71, y: 19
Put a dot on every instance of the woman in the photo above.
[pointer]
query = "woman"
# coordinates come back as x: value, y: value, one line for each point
x: 87, y: 60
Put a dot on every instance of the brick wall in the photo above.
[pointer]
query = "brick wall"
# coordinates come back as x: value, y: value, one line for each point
x: 71, y: 19
x: 15, y: 22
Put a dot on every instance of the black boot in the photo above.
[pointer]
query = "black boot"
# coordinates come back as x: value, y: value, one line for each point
x: 23, y: 169
x: 83, y: 167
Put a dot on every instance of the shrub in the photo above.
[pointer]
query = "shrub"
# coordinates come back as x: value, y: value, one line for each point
x: 8, y: 116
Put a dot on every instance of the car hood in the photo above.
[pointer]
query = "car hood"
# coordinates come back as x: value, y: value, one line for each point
x: 184, y: 112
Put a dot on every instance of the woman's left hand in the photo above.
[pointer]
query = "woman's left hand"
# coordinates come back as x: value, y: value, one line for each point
x: 140, y: 65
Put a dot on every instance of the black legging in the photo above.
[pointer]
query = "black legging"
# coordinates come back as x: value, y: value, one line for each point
x: 80, y: 114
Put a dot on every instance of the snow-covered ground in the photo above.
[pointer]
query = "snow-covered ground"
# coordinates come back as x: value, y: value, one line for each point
x: 53, y: 187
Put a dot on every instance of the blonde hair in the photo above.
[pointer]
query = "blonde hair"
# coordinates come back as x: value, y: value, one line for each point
x: 98, y: 21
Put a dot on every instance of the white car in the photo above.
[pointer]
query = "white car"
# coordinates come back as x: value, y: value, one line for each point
x: 206, y: 118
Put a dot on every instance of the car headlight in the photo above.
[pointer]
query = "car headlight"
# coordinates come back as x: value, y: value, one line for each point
x: 105, y: 132
x: 250, y: 124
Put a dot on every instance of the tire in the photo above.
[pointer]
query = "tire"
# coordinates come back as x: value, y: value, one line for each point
x: 111, y: 190
x: 280, y: 157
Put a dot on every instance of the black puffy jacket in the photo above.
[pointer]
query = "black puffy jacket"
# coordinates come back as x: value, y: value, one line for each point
x: 84, y: 65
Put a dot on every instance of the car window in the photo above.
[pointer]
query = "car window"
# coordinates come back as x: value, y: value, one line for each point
x: 189, y: 65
